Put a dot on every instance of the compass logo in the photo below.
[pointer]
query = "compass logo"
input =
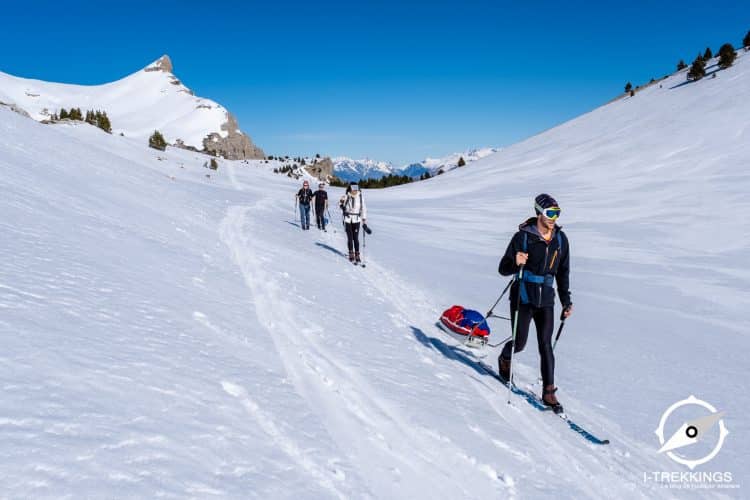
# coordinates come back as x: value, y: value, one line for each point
x: 701, y: 423
x: 689, y: 433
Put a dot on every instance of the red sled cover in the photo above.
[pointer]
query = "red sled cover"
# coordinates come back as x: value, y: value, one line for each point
x: 465, y: 321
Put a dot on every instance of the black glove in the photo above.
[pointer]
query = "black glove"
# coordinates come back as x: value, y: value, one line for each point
x: 367, y: 229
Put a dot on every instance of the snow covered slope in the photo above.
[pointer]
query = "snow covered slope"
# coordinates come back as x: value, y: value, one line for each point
x: 148, y: 100
x: 171, y: 334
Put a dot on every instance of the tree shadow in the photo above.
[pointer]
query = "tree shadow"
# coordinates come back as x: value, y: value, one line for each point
x: 331, y: 249
x: 709, y: 74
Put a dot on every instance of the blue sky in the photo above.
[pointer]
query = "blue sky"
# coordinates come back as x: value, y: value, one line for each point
x: 387, y: 80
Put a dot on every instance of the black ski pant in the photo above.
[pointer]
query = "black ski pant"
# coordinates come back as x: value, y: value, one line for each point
x: 352, y: 236
x: 320, y: 217
x: 544, y: 320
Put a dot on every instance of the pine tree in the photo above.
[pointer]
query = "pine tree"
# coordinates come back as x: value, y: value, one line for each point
x: 681, y: 65
x: 63, y: 114
x: 698, y: 69
x: 707, y: 55
x: 746, y: 41
x: 214, y: 164
x: 75, y: 114
x: 628, y: 87
x: 461, y: 162
x: 102, y: 121
x: 157, y: 141
x: 727, y: 56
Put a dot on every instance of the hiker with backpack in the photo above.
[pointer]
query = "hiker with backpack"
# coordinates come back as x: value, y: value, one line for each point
x: 321, y: 206
x: 538, y: 254
x: 354, y: 213
x: 304, y: 197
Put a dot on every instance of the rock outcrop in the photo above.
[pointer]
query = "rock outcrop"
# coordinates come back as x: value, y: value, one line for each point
x: 322, y: 169
x: 164, y: 63
x: 235, y: 146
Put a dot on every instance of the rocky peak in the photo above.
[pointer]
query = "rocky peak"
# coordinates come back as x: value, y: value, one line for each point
x: 164, y: 63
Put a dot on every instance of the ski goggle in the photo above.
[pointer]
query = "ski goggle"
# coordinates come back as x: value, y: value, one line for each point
x: 551, y: 213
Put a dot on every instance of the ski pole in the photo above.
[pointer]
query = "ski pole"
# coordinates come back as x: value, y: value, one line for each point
x: 329, y: 218
x: 364, y: 245
x: 559, y: 330
x: 515, y: 329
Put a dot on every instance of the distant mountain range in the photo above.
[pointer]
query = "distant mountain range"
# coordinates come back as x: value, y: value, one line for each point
x: 348, y: 169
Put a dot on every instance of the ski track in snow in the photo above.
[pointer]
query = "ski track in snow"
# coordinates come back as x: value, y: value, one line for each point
x: 350, y: 407
x: 349, y: 403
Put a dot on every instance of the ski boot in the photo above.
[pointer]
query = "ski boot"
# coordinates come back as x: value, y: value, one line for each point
x: 351, y: 257
x: 357, y: 259
x: 549, y: 399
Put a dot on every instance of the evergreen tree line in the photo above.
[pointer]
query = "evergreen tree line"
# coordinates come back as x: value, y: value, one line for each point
x: 93, y: 117
x: 389, y: 180
x: 697, y: 70
x: 284, y: 170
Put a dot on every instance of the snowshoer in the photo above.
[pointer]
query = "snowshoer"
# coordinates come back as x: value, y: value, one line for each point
x: 355, y: 213
x: 540, y: 254
x: 304, y: 197
x: 321, y: 206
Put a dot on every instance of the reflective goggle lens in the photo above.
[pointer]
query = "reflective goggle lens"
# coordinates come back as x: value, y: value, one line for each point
x: 552, y: 213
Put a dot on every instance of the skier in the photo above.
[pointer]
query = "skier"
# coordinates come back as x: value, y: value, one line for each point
x: 321, y: 206
x: 355, y: 212
x: 539, y: 252
x: 304, y: 197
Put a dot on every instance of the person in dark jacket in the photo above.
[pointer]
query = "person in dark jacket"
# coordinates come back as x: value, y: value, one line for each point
x: 539, y: 249
x: 321, y: 206
x: 304, y: 197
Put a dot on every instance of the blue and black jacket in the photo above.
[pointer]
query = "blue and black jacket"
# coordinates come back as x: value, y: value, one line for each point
x: 548, y: 261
